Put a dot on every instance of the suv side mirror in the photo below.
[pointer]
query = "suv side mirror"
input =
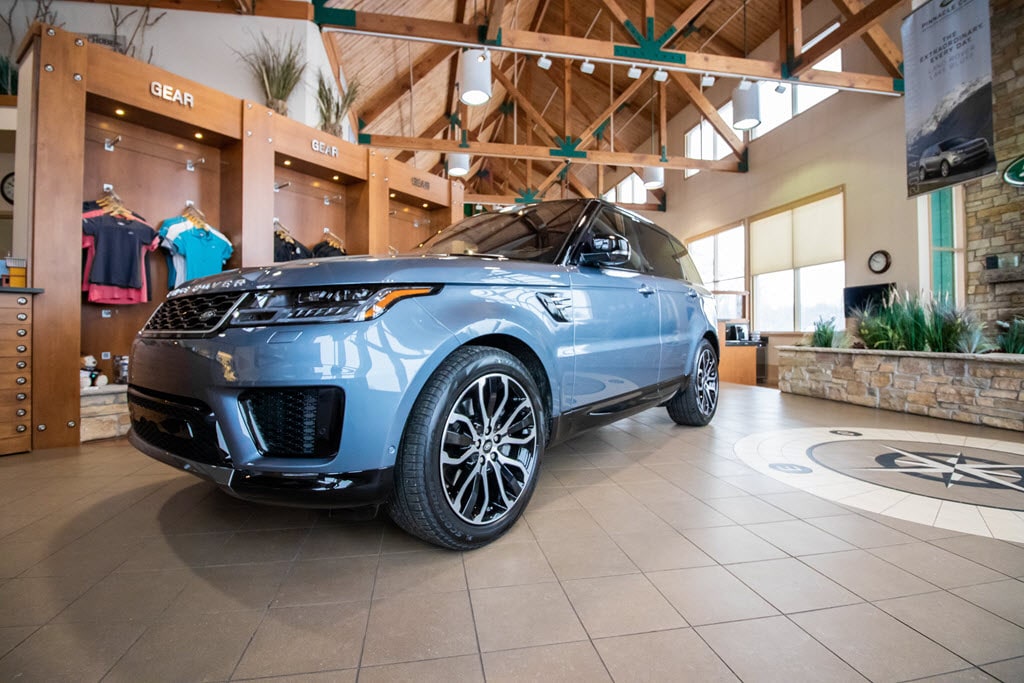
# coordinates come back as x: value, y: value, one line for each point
x: 607, y: 250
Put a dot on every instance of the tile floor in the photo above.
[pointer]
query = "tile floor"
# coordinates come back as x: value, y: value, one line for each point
x: 649, y: 552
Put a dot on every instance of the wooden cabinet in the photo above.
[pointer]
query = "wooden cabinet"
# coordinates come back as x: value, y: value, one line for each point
x: 15, y: 372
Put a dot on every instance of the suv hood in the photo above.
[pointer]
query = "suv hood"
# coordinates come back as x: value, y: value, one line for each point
x: 362, y: 270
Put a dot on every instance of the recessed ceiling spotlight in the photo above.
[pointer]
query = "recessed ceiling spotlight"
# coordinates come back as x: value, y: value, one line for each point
x: 634, y: 72
x: 335, y: 177
x: 119, y: 111
x: 661, y: 75
x: 199, y: 136
x: 587, y: 66
x: 287, y: 162
x: 392, y: 195
x: 707, y: 80
x: 425, y: 205
x: 543, y: 62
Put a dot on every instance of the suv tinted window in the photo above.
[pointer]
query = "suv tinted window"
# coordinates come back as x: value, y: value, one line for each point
x: 666, y: 255
x: 608, y: 222
x: 532, y: 233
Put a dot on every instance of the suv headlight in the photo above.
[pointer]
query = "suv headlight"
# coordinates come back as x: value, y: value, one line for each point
x: 332, y: 304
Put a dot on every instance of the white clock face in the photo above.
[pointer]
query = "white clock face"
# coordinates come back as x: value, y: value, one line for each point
x: 878, y: 262
x: 7, y: 188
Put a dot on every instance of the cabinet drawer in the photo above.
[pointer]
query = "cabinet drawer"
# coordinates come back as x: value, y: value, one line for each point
x: 21, y: 334
x: 18, y: 427
x: 19, y: 363
x: 19, y: 379
x: 21, y: 348
x: 16, y: 444
x: 23, y: 301
x: 16, y: 316
x: 21, y: 411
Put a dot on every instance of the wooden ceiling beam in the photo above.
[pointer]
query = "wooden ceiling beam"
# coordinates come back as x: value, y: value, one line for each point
x: 543, y: 153
x: 791, y: 30
x: 494, y: 19
x: 878, y: 41
x: 399, y: 86
x: 433, y: 130
x: 851, y: 28
x: 688, y: 16
x: 524, y: 103
x: 710, y: 112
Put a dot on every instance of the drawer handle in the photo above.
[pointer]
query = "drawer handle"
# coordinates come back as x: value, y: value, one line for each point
x: 20, y: 396
x: 21, y: 380
x: 21, y: 364
x: 22, y: 348
x: 22, y: 333
x: 22, y: 301
x: 23, y: 316
x: 21, y: 412
x: 20, y: 428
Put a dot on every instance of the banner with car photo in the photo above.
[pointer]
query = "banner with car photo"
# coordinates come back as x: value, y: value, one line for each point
x: 947, y: 57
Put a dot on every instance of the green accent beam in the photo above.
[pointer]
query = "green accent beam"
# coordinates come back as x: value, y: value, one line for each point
x: 568, y: 148
x: 332, y: 15
x: 527, y: 196
x: 365, y: 139
x: 648, y: 47
x: 897, y: 85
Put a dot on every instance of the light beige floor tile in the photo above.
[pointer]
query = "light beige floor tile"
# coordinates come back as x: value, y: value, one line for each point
x: 524, y: 616
x: 689, y: 513
x: 228, y: 588
x: 749, y: 510
x: 342, y: 540
x: 860, y: 531
x: 978, y: 636
x: 597, y: 498
x: 306, y: 639
x: 70, y: 652
x: 972, y: 675
x: 791, y: 586
x: 336, y: 676
x: 678, y: 655
x: 586, y: 557
x: 632, y: 518
x: 730, y: 544
x: 214, y: 643
x: 880, y: 647
x: 507, y: 564
x: 774, y: 649
x: 868, y: 576
x: 659, y: 552
x: 446, y: 670
x: 11, y: 636
x: 418, y: 573
x: 708, y: 595
x: 426, y: 627
x: 1007, y: 670
x: 274, y: 545
x: 998, y: 555
x: 572, y: 478
x: 1005, y: 598
x: 797, y: 537
x: 127, y: 597
x: 559, y: 524
x: 177, y: 551
x: 661, y: 491
x: 341, y: 579
x: 936, y: 565
x: 803, y: 505
x: 621, y: 605
x: 34, y: 601
x: 552, y: 499
x: 569, y: 662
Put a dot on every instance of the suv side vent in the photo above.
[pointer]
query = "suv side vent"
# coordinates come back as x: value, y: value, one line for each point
x: 558, y: 304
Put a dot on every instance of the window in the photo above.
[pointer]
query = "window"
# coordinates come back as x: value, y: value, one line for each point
x: 778, y: 108
x: 797, y: 263
x: 703, y: 142
x: 608, y: 223
x: 721, y: 259
x: 667, y: 256
x: 630, y: 190
x: 947, y: 250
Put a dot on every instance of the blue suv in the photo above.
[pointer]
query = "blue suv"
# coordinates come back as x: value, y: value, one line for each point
x: 432, y: 382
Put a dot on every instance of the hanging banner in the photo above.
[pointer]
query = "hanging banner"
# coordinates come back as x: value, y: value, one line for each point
x: 947, y: 58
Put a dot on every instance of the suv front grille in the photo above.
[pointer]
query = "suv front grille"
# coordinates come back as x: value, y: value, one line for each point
x: 303, y: 422
x: 198, y: 314
x: 181, y: 426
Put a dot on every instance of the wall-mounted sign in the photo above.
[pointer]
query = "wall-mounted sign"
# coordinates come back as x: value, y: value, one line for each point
x: 172, y: 94
x: 1014, y: 173
x: 324, y: 148
x: 419, y: 182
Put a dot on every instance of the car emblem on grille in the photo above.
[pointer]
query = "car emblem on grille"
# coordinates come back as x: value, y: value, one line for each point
x: 207, y: 314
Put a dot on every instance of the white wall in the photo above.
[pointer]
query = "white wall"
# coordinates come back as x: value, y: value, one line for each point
x: 201, y: 46
x: 852, y: 139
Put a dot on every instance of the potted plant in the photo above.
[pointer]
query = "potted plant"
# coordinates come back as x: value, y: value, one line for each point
x: 278, y: 68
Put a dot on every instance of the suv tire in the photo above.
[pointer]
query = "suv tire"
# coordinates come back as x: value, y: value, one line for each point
x: 696, y: 405
x: 470, y: 454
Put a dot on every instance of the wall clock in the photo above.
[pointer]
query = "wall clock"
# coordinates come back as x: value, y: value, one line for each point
x: 879, y: 261
x: 7, y: 187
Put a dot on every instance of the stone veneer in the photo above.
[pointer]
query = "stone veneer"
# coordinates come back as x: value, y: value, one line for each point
x: 105, y: 412
x: 983, y: 389
x: 994, y: 209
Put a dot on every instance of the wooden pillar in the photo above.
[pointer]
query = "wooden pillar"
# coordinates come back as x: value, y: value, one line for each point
x: 55, y: 76
x: 458, y: 199
x: 247, y: 188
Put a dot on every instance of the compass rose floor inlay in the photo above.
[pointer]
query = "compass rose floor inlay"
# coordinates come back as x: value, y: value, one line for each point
x: 945, y: 480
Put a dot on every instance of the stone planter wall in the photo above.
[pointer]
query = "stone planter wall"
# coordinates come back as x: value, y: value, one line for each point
x: 981, y: 389
x: 105, y: 412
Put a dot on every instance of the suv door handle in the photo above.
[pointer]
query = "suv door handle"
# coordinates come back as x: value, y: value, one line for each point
x: 645, y: 290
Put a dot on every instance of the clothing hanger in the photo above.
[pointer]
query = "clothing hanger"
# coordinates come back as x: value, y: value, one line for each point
x: 283, y: 232
x: 333, y: 240
x: 195, y: 215
x: 111, y: 204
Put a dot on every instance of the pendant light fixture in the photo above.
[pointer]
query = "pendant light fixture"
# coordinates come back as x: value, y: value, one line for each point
x: 458, y: 165
x: 476, y: 77
x: 746, y: 99
x: 654, y: 176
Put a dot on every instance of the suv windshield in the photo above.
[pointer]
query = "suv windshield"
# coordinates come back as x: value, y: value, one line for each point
x: 535, y: 232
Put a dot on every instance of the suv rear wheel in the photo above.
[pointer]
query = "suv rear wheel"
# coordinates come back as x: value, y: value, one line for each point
x: 697, y: 404
x: 470, y: 454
